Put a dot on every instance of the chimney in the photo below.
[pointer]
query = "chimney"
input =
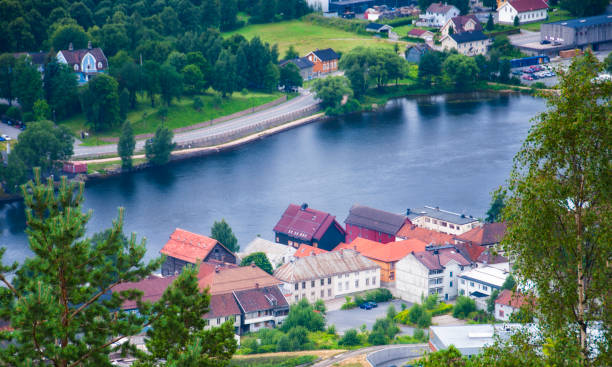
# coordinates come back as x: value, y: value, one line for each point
x: 304, y: 206
x: 89, y: 45
x: 437, y: 208
x: 70, y: 47
x: 408, y: 211
x: 217, y: 269
x: 253, y: 265
x: 257, y: 285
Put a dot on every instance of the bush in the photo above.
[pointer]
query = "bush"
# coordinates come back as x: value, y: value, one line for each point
x: 380, y: 294
x: 359, y: 300
x: 441, y: 309
x: 197, y: 103
x: 28, y: 116
x: 283, y: 344
x: 430, y: 302
x: 331, y: 329
x: 298, y: 338
x: 275, y: 361
x: 302, y: 314
x: 425, y: 320
x: 349, y: 338
x: 415, y: 313
x: 403, y: 317
x: 391, y: 312
x: 13, y: 113
x: 378, y: 338
x: 463, y: 306
x: 3, y: 108
x: 348, y: 304
x: 419, y: 334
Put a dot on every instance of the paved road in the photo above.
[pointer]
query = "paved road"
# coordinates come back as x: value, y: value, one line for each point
x: 295, y: 104
x: 418, y: 351
x: 9, y: 130
x: 353, y: 319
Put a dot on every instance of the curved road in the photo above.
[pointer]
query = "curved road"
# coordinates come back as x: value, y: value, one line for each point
x: 418, y: 350
x: 293, y: 105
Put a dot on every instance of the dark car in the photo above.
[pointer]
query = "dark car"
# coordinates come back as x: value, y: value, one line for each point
x: 373, y: 304
x: 545, y: 42
x: 365, y: 306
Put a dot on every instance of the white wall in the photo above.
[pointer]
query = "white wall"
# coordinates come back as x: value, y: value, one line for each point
x: 507, y: 311
x: 440, y: 225
x: 507, y: 13
x: 412, y: 279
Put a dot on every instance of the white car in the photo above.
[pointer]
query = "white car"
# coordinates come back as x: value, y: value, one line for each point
x: 5, y: 137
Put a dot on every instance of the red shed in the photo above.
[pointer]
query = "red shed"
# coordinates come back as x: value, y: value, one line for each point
x: 372, y: 224
x: 75, y: 167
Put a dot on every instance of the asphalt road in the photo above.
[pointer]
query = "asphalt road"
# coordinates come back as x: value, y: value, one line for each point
x: 353, y: 319
x: 417, y: 348
x: 9, y: 130
x: 295, y: 104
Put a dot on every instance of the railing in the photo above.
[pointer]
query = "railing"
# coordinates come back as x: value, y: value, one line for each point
x: 241, y: 132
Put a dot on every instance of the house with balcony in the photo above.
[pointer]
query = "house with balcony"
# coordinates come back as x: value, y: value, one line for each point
x: 261, y: 307
x: 480, y: 282
x: 441, y: 220
x: 437, y: 14
x: 461, y: 24
x: 433, y: 271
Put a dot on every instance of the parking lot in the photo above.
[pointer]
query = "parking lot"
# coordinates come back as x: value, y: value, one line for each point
x: 544, y: 73
x: 353, y: 319
x: 9, y: 130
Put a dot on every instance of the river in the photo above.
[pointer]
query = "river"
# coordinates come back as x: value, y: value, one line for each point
x: 446, y: 151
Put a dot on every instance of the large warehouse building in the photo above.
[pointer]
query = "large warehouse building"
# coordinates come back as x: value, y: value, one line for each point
x: 593, y: 32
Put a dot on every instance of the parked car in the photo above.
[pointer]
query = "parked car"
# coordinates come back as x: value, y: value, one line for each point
x: 1, y: 138
x: 517, y: 72
x: 373, y: 304
x: 5, y: 137
x: 365, y: 306
x: 527, y: 77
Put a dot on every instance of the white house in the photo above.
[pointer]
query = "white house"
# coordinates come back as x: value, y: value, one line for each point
x: 85, y: 63
x: 467, y: 43
x: 433, y: 271
x: 460, y: 24
x: 479, y: 283
x: 277, y: 253
x: 507, y: 303
x: 528, y: 11
x: 437, y: 14
x: 328, y: 275
x: 441, y: 220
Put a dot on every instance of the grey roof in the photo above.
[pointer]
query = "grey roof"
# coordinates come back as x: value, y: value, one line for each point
x: 323, y: 266
x: 376, y: 26
x: 468, y: 36
x: 268, y: 247
x: 585, y: 22
x: 326, y: 55
x: 440, y: 214
x: 375, y: 219
x: 469, y: 339
x: 301, y: 63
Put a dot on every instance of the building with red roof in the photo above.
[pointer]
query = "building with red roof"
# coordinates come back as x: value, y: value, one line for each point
x: 428, y: 236
x: 527, y: 11
x: 432, y: 271
x: 186, y: 247
x: 373, y: 224
x: 152, y: 288
x: 85, y: 63
x: 303, y: 225
x: 507, y: 303
x: 461, y: 24
x: 306, y: 250
x: 421, y: 33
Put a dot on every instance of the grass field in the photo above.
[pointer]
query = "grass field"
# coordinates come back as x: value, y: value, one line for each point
x: 305, y: 37
x: 552, y: 17
x: 145, y: 119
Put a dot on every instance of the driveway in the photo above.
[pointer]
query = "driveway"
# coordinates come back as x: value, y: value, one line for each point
x: 9, y: 130
x: 353, y: 319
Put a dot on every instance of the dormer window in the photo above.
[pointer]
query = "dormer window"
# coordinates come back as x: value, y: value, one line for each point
x: 76, y: 67
x: 99, y: 65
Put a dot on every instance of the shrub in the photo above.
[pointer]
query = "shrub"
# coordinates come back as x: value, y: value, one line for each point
x: 319, y: 305
x: 419, y: 334
x: 425, y: 320
x: 430, y: 302
x: 283, y: 344
x: 3, y: 108
x: 391, y: 312
x: 298, y: 338
x: 441, y: 309
x: 380, y: 294
x: 403, y: 317
x: 348, y: 304
x: 415, y: 313
x: 197, y: 103
x: 28, y: 116
x: 13, y: 113
x: 377, y: 338
x: 463, y: 306
x: 331, y: 329
x: 302, y: 314
x: 359, y: 300
x: 349, y: 338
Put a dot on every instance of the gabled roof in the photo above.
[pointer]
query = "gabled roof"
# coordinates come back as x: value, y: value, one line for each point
x: 527, y: 5
x: 323, y: 266
x: 486, y: 257
x: 189, y: 246
x: 76, y: 56
x: 468, y: 37
x: 437, y: 261
x: 260, y: 299
x: 377, y: 220
x: 388, y: 252
x: 307, y: 250
x: 487, y: 235
x: 440, y: 8
x: 37, y: 58
x: 512, y: 299
x: 428, y: 236
x: 470, y: 250
x: 461, y: 20
x: 417, y: 32
x: 440, y: 214
x: 226, y: 279
x: 305, y: 223
x: 152, y: 287
x: 222, y: 305
x: 326, y: 55
x: 489, y: 275
x: 301, y: 63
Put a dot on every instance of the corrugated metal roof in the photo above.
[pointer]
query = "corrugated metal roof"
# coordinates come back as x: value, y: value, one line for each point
x: 323, y: 265
x: 586, y: 22
x: 260, y: 299
x: 304, y: 223
x: 375, y: 219
x: 441, y: 214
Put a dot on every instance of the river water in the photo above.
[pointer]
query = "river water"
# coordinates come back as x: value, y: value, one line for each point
x: 446, y: 151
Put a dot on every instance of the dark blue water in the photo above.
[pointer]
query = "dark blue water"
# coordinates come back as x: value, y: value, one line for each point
x: 447, y: 151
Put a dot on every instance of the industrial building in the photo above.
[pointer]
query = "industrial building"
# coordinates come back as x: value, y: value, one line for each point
x: 593, y: 32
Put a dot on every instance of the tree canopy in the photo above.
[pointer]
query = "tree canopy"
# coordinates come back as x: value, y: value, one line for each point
x: 260, y: 259
x: 222, y: 232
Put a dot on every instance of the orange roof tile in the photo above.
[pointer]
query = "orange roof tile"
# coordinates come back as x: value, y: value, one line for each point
x: 389, y: 252
x: 488, y: 234
x: 188, y: 246
x: 428, y: 236
x: 512, y: 299
x: 307, y: 250
x: 224, y: 279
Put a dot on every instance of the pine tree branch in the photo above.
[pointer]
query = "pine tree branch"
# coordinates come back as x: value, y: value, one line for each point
x: 91, y: 300
x: 9, y: 285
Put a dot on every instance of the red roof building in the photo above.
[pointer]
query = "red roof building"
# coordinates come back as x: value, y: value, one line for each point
x: 185, y: 247
x: 220, y: 279
x: 303, y: 225
x: 373, y: 224
x: 152, y: 288
x: 305, y: 250
x: 490, y: 234
x: 508, y: 302
x: 428, y: 236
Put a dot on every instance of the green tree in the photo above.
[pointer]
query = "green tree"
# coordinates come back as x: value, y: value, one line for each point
x: 224, y: 79
x: 100, y: 101
x: 558, y: 212
x: 114, y: 38
x: 7, y: 77
x: 298, y: 338
x: 126, y: 145
x: 193, y: 79
x: 331, y: 90
x: 60, y: 87
x: 450, y: 357
x: 350, y: 338
x: 608, y: 63
x: 13, y: 174
x: 56, y: 303
x: 28, y: 84
x: 69, y: 33
x: 210, y: 13
x: 290, y: 77
x: 177, y: 332
x: 302, y: 314
x: 260, y: 259
x: 291, y: 53
x: 319, y: 305
x: 430, y: 68
x: 82, y: 14
x: 222, y: 232
x: 170, y: 83
x: 516, y: 21
x: 584, y: 8
x: 124, y: 104
x: 159, y: 148
x: 463, y: 306
x: 497, y: 205
x: 491, y: 302
x: 44, y: 145
x: 41, y: 110
x: 490, y: 25
x: 509, y: 283
x: 150, y: 76
x: 460, y: 70
x: 228, y: 11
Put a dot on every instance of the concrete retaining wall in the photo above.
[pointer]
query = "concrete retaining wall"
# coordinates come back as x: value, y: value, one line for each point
x: 383, y: 356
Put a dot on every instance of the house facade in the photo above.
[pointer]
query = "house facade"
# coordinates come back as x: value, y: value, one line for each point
x: 433, y: 271
x: 461, y: 24
x: 261, y: 307
x: 85, y: 63
x: 422, y: 34
x: 437, y: 14
x: 372, y: 224
x: 186, y: 247
x: 327, y: 276
x: 443, y: 221
x: 325, y: 61
x: 303, y: 225
x: 527, y: 11
x: 467, y: 43
x: 479, y: 283
x: 507, y: 303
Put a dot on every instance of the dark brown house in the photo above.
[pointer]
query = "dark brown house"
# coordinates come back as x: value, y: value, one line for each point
x: 185, y: 247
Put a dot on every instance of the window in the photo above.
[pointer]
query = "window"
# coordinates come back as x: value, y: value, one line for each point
x: 485, y: 288
x: 443, y: 224
x: 322, y: 293
x: 462, y: 292
x: 426, y: 220
x: 367, y: 281
x: 311, y: 294
x: 339, y: 286
x: 303, y: 285
x: 451, y: 274
x: 303, y: 295
x: 218, y: 320
x: 392, y: 275
x: 451, y: 283
x: 297, y: 286
x: 462, y: 281
x: 329, y: 292
x: 451, y: 226
x: 346, y: 275
x: 392, y: 265
x: 329, y: 280
x: 297, y: 298
x: 374, y: 281
x: 312, y: 284
x: 471, y: 284
x: 357, y: 284
x: 322, y: 281
x: 346, y: 286
x: 501, y: 313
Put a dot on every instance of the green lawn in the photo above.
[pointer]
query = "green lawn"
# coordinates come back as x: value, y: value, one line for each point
x: 145, y: 119
x: 305, y: 36
x: 552, y: 17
